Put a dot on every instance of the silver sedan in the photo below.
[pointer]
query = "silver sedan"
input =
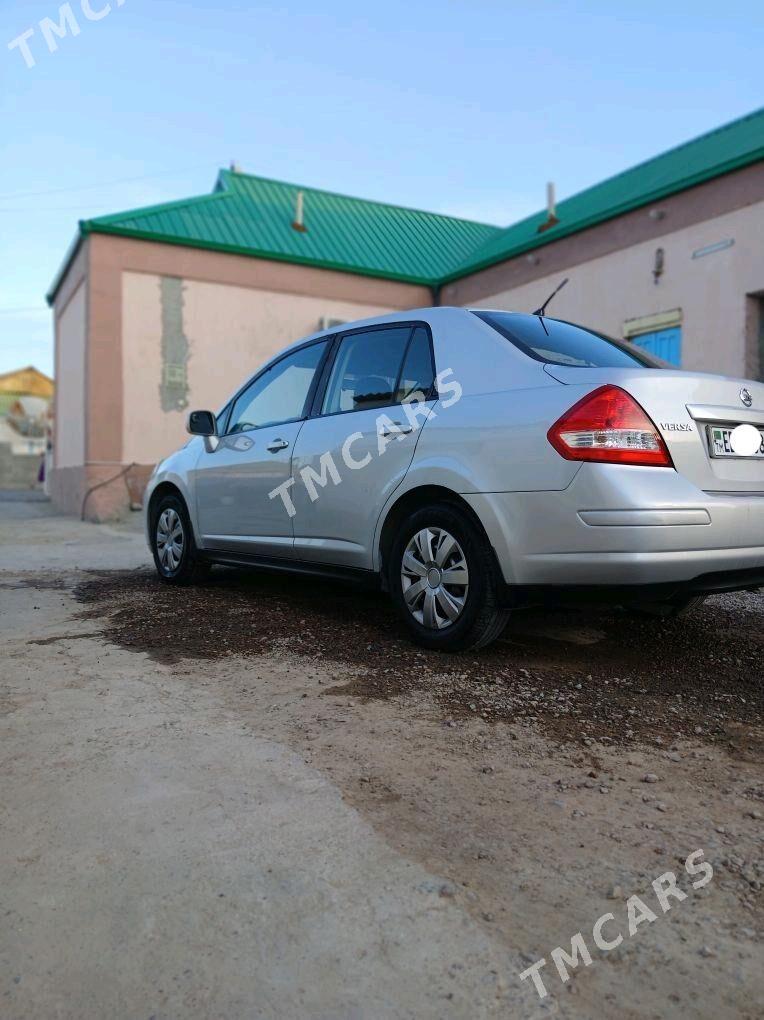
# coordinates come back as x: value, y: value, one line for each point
x: 470, y: 462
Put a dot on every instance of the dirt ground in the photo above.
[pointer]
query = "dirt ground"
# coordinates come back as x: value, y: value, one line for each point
x: 256, y: 799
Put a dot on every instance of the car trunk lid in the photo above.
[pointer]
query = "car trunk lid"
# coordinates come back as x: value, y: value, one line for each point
x: 683, y: 405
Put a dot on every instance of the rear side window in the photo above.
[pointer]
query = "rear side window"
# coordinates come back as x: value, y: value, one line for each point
x: 562, y: 343
x: 365, y: 370
x: 417, y: 375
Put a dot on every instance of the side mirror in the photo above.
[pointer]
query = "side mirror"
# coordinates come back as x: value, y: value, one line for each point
x: 201, y: 423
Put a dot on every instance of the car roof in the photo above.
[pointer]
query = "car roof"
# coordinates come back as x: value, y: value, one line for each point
x: 430, y: 315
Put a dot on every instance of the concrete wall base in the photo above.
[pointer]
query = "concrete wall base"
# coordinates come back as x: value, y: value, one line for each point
x: 105, y: 492
x: 18, y: 470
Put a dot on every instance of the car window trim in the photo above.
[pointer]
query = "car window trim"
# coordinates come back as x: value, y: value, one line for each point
x: 267, y: 368
x: 428, y: 394
x: 326, y: 371
x: 316, y: 411
x: 221, y: 419
x: 376, y: 327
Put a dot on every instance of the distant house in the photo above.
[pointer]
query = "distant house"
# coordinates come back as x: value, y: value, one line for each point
x: 24, y: 382
x: 29, y: 415
x: 26, y: 404
x: 162, y: 309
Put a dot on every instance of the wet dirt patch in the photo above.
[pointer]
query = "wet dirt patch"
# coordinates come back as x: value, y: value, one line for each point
x: 55, y: 638
x: 37, y: 582
x: 580, y: 674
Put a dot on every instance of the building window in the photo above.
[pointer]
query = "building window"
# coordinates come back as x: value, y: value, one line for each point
x: 659, y: 334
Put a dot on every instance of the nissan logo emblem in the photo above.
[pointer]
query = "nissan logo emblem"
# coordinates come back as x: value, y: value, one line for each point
x: 745, y: 396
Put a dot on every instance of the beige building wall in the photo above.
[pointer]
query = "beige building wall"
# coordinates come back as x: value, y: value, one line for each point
x: 225, y: 333
x: 69, y: 449
x: 710, y: 290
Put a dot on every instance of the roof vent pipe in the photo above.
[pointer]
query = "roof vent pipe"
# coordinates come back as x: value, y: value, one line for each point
x: 299, y: 221
x: 551, y: 206
x: 551, y: 209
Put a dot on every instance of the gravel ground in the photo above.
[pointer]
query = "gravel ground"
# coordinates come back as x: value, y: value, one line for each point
x: 590, y: 674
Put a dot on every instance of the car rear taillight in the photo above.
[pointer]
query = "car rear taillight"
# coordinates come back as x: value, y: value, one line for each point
x: 610, y: 427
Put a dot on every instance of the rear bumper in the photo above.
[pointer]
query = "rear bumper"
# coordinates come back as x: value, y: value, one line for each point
x: 620, y: 526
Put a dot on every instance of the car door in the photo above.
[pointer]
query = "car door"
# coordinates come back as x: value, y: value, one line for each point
x: 239, y: 470
x: 357, y: 446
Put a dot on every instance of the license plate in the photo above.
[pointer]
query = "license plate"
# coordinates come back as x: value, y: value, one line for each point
x: 719, y: 443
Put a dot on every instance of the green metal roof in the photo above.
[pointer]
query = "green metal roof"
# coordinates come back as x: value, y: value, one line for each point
x: 719, y: 152
x: 253, y: 216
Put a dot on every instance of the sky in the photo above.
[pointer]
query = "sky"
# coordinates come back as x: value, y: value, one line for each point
x: 466, y: 108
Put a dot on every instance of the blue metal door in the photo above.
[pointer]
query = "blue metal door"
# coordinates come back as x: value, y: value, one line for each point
x: 664, y: 343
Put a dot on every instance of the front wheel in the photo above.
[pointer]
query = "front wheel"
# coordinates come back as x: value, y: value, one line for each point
x: 442, y: 578
x: 175, y: 554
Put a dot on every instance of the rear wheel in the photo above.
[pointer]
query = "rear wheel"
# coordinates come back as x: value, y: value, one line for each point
x: 669, y: 610
x: 442, y: 578
x: 176, y: 557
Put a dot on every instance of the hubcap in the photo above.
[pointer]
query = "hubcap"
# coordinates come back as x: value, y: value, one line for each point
x: 434, y: 578
x: 170, y: 539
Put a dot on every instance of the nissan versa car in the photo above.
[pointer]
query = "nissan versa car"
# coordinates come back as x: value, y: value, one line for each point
x: 470, y: 462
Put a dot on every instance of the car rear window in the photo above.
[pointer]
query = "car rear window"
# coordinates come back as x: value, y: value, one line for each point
x: 562, y: 343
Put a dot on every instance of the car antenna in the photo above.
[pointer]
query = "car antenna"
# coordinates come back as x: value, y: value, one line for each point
x: 540, y: 311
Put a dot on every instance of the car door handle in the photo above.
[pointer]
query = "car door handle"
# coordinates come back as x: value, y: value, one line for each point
x: 277, y: 444
x: 398, y: 429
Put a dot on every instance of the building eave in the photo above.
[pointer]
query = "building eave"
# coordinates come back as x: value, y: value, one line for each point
x: 63, y: 269
x: 87, y: 228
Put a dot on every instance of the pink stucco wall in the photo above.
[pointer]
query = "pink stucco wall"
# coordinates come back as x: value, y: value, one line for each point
x: 229, y: 330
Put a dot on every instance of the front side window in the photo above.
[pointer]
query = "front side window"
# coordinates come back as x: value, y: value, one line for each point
x: 561, y: 343
x: 365, y: 372
x: 280, y: 393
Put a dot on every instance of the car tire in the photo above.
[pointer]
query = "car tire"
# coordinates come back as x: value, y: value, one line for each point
x: 672, y: 609
x: 426, y: 578
x: 176, y: 557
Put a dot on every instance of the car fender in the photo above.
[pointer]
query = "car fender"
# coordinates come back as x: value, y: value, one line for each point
x: 488, y: 444
x: 443, y: 472
x: 175, y: 470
